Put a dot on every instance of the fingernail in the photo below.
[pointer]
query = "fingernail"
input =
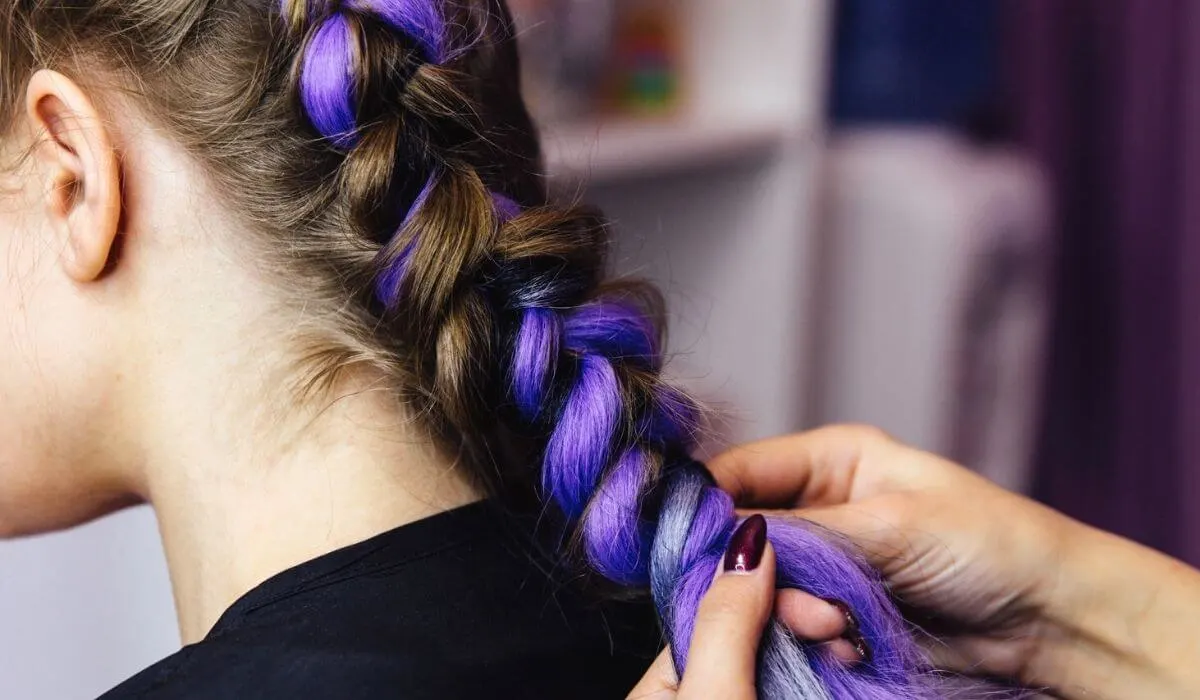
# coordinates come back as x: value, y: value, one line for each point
x: 860, y: 645
x: 747, y: 545
x: 851, y: 622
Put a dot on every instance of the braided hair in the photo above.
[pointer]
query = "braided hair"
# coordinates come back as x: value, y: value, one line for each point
x: 383, y: 149
x: 506, y: 307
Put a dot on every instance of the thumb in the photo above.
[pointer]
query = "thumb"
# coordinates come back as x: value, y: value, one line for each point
x: 722, y: 660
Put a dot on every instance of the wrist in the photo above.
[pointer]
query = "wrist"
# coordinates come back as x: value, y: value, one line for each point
x: 1116, y: 620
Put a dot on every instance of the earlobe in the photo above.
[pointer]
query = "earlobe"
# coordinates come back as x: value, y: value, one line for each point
x: 83, y: 188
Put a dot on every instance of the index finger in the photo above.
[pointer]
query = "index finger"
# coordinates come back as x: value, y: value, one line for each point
x: 816, y: 468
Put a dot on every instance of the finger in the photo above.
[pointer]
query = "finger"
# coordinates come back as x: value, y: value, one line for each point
x: 981, y: 655
x: 813, y: 619
x: 660, y: 680
x: 846, y: 651
x: 879, y: 528
x: 730, y: 621
x: 819, y: 467
x: 808, y: 617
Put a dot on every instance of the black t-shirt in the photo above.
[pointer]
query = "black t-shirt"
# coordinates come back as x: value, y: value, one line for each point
x: 455, y: 606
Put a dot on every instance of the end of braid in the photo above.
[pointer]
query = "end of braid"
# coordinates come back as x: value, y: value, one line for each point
x: 617, y: 463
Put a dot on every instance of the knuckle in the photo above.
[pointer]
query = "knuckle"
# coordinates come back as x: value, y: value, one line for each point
x: 899, y: 508
x: 720, y: 611
x: 862, y: 433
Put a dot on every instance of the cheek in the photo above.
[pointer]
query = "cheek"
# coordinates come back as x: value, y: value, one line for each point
x: 27, y: 467
x: 44, y: 475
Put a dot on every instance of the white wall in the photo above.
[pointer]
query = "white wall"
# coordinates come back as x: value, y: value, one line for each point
x: 83, y: 610
x: 731, y: 250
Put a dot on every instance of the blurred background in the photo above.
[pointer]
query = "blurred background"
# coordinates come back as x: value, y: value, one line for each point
x: 966, y: 221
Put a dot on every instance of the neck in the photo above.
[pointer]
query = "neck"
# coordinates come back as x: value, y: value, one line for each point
x: 246, y: 480
x: 237, y: 504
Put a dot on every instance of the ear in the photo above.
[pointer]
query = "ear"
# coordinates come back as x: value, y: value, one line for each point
x: 83, y: 187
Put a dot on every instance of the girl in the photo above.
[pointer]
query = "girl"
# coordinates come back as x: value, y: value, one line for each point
x: 286, y: 270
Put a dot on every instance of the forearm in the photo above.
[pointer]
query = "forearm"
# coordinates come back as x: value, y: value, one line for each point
x: 1123, y: 621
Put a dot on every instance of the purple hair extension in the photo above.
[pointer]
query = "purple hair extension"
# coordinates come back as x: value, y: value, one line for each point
x: 617, y: 542
x: 695, y: 525
x: 329, y: 87
x: 419, y: 20
x: 578, y: 451
x: 647, y: 515
x: 387, y: 287
x: 534, y: 359
x: 673, y: 421
x: 695, y: 520
x: 606, y: 492
x: 506, y: 208
x: 328, y: 83
x: 612, y: 329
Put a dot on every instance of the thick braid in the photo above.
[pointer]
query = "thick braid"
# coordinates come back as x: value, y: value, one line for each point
x: 500, y: 303
x: 604, y: 474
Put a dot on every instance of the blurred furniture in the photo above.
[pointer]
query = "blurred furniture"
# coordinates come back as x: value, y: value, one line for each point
x: 717, y: 203
x: 933, y: 295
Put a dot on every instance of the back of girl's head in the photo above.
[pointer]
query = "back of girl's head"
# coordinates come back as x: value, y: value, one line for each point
x: 382, y: 152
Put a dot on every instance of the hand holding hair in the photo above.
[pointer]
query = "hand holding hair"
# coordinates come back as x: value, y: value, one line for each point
x: 731, y: 620
x: 1012, y: 588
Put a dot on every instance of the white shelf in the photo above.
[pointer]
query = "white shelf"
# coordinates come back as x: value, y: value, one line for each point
x: 605, y: 151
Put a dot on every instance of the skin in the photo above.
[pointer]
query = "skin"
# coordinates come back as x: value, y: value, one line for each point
x: 111, y: 245
x: 730, y: 622
x: 1015, y: 589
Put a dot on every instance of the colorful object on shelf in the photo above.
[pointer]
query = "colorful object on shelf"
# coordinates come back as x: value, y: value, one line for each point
x: 566, y: 47
x: 646, y: 59
x: 585, y: 56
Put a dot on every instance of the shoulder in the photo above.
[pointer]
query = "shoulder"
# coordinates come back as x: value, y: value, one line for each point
x: 277, y: 670
x: 274, y: 670
x: 481, y: 618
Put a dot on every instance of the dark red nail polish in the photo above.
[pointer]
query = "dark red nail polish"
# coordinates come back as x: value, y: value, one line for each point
x: 860, y: 645
x: 851, y: 622
x: 747, y: 545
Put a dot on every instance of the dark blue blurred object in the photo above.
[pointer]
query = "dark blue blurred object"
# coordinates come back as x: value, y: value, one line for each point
x: 914, y: 61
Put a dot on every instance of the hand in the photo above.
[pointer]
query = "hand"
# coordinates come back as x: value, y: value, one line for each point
x: 1010, y: 587
x: 723, y: 654
x: 977, y: 564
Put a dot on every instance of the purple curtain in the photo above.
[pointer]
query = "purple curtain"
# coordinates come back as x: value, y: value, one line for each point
x: 1108, y: 95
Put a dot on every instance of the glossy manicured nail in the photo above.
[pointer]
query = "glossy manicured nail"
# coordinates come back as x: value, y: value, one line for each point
x: 851, y: 622
x: 747, y: 545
